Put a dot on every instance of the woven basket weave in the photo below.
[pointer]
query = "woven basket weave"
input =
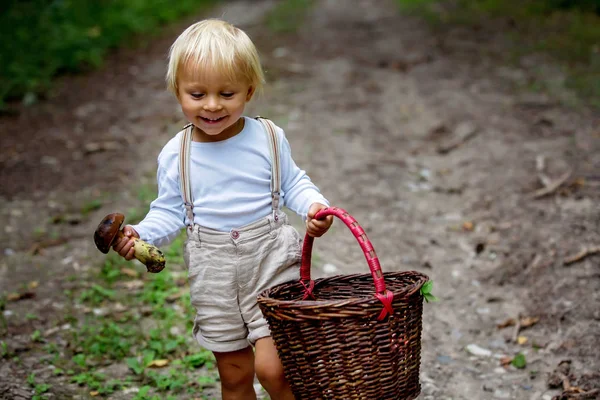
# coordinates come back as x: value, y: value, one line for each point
x: 349, y: 336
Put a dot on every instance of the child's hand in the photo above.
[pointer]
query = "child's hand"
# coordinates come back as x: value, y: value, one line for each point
x: 124, y: 246
x: 317, y: 227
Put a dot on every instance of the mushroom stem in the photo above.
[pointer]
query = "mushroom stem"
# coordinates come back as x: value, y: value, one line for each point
x: 147, y: 254
x: 109, y: 229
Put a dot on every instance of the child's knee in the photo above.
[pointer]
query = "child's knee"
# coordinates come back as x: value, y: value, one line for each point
x: 236, y: 369
x: 233, y: 377
x: 270, y: 372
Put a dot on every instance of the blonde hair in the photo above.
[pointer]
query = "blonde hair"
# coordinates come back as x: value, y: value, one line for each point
x: 214, y: 43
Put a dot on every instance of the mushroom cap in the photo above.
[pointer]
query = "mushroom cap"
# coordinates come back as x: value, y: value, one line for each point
x: 107, y: 230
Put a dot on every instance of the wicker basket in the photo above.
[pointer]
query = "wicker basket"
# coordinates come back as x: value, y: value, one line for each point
x: 348, y: 336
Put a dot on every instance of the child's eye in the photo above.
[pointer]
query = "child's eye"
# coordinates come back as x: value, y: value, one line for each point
x: 227, y: 94
x: 197, y: 95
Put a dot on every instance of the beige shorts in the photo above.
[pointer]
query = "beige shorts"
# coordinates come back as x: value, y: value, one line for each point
x: 227, y: 271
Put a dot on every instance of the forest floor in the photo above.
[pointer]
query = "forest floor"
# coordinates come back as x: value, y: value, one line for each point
x: 432, y: 140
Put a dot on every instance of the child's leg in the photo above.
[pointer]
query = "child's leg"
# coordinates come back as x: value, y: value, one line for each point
x: 270, y: 371
x: 236, y: 371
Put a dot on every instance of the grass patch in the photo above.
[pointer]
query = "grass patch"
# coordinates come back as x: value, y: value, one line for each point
x: 569, y: 31
x: 125, y: 318
x: 53, y: 37
x: 288, y: 15
x: 145, y: 325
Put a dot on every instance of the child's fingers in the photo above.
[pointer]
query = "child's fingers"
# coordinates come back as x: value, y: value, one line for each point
x: 130, y: 232
x: 131, y: 253
x: 124, y: 246
x: 322, y: 223
x: 316, y: 228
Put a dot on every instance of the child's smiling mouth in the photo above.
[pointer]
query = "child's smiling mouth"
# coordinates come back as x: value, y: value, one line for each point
x: 212, y: 120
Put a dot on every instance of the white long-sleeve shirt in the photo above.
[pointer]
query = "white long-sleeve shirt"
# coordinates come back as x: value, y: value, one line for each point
x: 231, y: 184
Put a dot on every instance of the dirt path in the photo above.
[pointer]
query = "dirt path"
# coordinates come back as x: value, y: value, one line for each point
x: 424, y: 138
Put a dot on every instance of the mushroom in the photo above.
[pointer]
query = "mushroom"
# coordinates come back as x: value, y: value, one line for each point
x: 110, y: 229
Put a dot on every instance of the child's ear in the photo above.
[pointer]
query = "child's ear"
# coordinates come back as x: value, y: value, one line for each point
x: 250, y: 93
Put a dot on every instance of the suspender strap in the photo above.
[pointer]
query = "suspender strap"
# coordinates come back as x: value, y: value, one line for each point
x: 184, y: 173
x: 275, y: 168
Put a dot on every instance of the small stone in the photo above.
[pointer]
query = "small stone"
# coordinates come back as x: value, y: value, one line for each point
x: 478, y: 351
x: 444, y: 359
x: 501, y: 394
x: 330, y: 269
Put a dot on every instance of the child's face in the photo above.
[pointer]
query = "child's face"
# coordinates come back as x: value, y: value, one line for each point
x: 212, y: 102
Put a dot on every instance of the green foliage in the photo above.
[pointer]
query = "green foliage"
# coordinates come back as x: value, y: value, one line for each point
x: 38, y: 388
x: 97, y: 294
x: 36, y: 336
x: 568, y: 30
x: 426, y: 292
x: 198, y: 360
x: 48, y: 37
x: 97, y: 382
x: 287, y: 15
x: 4, y: 353
x: 144, y: 328
x: 519, y: 361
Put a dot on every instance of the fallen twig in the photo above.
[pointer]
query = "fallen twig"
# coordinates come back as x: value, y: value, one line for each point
x: 583, y: 253
x: 552, y: 186
x: 540, y: 166
x: 37, y: 247
x: 571, y: 395
x: 515, y: 335
x: 590, y: 394
x: 465, y: 132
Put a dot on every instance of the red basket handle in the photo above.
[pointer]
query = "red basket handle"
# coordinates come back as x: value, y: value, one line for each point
x: 384, y: 295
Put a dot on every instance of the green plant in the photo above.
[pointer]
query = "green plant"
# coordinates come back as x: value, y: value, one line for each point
x: 287, y: 15
x: 567, y: 30
x: 426, y: 291
x: 76, y: 36
x: 4, y: 350
x: 36, y: 336
x: 519, y: 361
x: 91, y: 205
x: 39, y: 388
x: 198, y: 360
x: 96, y: 294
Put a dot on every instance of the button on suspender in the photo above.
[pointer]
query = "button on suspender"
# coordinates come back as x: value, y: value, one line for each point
x: 184, y: 169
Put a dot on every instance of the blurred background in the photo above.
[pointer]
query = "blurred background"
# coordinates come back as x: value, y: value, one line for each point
x: 463, y: 135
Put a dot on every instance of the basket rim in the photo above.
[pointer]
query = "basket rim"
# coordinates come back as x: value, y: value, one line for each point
x: 265, y: 297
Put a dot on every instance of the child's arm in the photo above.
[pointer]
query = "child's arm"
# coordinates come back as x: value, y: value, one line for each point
x: 165, y: 219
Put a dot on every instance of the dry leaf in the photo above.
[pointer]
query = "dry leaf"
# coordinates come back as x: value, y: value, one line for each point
x: 522, y: 340
x: 526, y: 322
x: 33, y: 284
x: 129, y: 272
x: 506, y: 324
x: 505, y: 361
x: 468, y: 226
x: 175, y: 296
x: 94, y: 393
x: 158, y: 363
x: 133, y: 285
x: 19, y: 296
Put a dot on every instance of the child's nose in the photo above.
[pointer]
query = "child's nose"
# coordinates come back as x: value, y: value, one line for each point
x: 212, y: 104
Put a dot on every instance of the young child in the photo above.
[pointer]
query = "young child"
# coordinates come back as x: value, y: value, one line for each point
x: 225, y: 176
